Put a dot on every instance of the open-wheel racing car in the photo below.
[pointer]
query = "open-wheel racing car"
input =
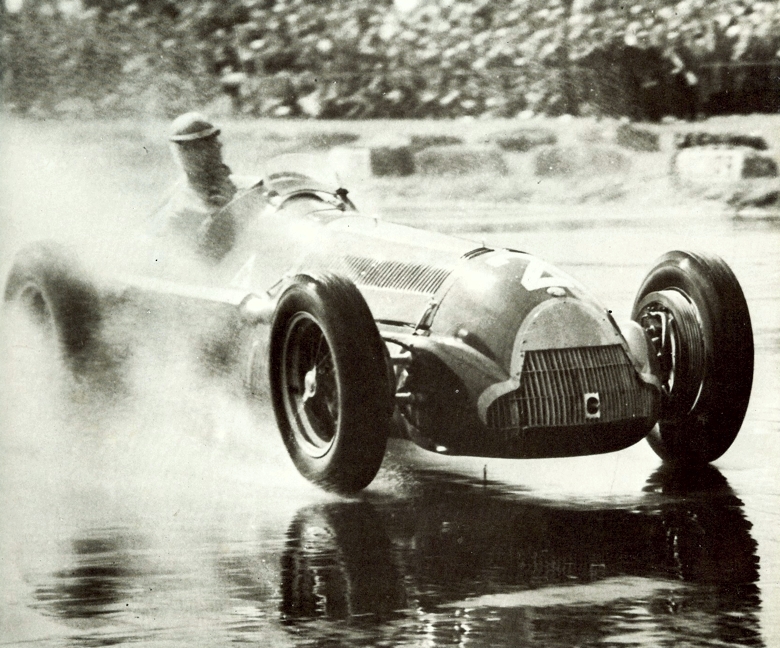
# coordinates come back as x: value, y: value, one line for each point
x: 362, y: 328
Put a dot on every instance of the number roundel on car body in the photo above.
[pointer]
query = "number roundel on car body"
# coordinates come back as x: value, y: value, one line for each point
x: 491, y: 295
x: 540, y: 275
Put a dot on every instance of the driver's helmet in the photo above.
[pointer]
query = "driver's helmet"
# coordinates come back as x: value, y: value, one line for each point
x: 191, y: 126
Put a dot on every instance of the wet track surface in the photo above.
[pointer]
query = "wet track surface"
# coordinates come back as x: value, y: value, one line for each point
x: 173, y: 516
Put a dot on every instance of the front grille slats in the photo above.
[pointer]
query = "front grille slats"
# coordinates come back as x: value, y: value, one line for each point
x: 554, y: 383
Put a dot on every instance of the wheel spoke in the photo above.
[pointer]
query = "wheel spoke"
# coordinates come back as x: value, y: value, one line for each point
x: 319, y: 354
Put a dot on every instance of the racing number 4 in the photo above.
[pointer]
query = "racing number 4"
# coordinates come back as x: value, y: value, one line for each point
x: 538, y: 275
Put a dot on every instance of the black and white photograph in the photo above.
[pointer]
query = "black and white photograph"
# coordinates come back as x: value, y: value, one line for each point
x: 399, y: 323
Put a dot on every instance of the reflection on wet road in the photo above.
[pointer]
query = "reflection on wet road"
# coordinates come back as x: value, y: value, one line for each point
x: 175, y: 518
x: 460, y: 563
x: 456, y: 562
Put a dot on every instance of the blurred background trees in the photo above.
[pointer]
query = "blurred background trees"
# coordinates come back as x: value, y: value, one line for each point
x: 384, y: 58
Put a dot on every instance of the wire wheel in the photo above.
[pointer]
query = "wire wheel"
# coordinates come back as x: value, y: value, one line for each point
x: 694, y: 311
x: 329, y: 382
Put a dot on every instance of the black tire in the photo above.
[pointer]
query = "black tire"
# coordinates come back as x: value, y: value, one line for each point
x: 48, y: 284
x: 707, y: 362
x: 328, y: 382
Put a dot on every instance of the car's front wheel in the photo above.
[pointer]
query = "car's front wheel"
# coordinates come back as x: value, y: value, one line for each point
x: 694, y: 311
x: 328, y: 381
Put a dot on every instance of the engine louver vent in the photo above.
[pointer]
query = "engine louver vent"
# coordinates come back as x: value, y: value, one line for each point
x: 555, y: 384
x: 398, y: 275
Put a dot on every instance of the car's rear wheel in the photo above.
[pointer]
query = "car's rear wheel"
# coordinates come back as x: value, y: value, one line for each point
x: 48, y: 286
x: 328, y: 380
x: 694, y: 311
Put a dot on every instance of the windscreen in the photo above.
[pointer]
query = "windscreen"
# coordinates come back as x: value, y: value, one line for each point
x: 298, y: 171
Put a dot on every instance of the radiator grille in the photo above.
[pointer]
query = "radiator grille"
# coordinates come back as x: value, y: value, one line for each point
x: 410, y: 277
x: 553, y: 387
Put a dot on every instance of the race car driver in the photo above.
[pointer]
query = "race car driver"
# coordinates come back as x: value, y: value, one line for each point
x: 192, y: 212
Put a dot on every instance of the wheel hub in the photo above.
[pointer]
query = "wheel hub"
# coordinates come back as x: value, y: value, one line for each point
x: 672, y: 323
x: 658, y: 322
x: 310, y: 384
x: 311, y: 392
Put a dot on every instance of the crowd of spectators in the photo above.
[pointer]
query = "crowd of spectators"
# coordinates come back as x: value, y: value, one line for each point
x: 391, y: 58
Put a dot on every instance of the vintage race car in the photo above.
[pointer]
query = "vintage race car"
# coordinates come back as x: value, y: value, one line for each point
x: 362, y: 328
